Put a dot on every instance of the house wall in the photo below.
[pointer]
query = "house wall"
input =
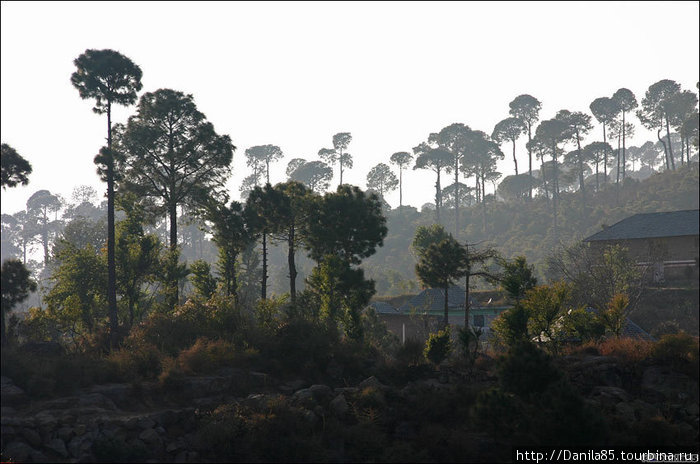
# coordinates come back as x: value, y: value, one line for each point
x: 673, y: 259
x: 418, y: 327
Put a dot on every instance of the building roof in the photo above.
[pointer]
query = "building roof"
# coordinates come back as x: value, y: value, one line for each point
x: 381, y: 307
x: 651, y: 225
x: 630, y: 329
x: 433, y: 299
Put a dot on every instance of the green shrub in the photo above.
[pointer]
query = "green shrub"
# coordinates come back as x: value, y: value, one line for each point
x: 526, y: 370
x: 679, y: 350
x: 137, y: 361
x: 438, y: 346
x: 410, y: 353
x: 206, y: 356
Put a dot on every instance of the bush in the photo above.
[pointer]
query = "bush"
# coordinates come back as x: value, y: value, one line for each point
x: 438, y: 346
x: 627, y: 349
x: 526, y: 370
x: 678, y: 350
x: 43, y: 375
x: 137, y: 361
x: 410, y: 353
x: 206, y: 356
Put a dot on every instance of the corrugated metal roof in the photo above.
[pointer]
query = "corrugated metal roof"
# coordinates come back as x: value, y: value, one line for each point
x: 433, y: 299
x: 651, y: 225
x: 381, y: 307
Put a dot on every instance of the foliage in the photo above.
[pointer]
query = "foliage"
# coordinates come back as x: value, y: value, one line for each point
x: 347, y: 223
x: 679, y: 350
x: 206, y: 356
x: 596, y: 276
x: 517, y: 278
x: 108, y: 77
x: 425, y: 236
x: 77, y: 299
x: 583, y: 325
x: 469, y: 343
x: 16, y: 286
x: 15, y: 169
x: 615, y: 315
x: 203, y: 282
x: 438, y: 346
x: 545, y: 307
x: 510, y: 327
x: 342, y: 292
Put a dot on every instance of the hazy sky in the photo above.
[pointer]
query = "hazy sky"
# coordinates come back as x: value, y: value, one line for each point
x: 294, y: 74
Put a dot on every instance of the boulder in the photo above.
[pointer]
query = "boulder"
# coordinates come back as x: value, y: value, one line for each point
x: 320, y: 392
x: 18, y: 452
x: 150, y: 437
x: 372, y: 382
x: 339, y: 406
x: 58, y: 446
x: 31, y: 436
x: 11, y: 394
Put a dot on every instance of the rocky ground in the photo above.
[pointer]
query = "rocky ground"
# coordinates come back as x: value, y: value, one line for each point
x: 102, y: 422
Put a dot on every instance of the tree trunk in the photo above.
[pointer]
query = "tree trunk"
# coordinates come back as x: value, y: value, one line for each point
x: 658, y: 135
x: 580, y: 164
x: 172, y: 213
x: 597, y: 186
x: 111, y: 262
x: 438, y: 196
x: 457, y: 199
x: 529, y: 156
x: 605, y: 161
x: 292, y: 265
x: 400, y: 187
x: 466, y: 298
x: 515, y: 161
x: 340, y: 160
x: 617, y: 177
x: 446, y: 323
x: 624, y: 154
x: 263, y: 289
x: 670, y: 145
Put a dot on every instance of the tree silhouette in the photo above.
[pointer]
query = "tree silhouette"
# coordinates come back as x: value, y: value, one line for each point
x: 509, y: 129
x: 456, y: 140
x: 15, y: 169
x: 232, y: 237
x: 526, y: 108
x: 16, y: 286
x: 316, y: 175
x: 39, y: 205
x: 552, y: 132
x: 264, y: 154
x: 605, y: 110
x: 401, y: 159
x: 341, y: 141
x: 110, y: 78
x: 597, y: 152
x: 625, y: 101
x: 172, y: 156
x: 381, y: 179
x: 656, y: 108
x: 436, y: 160
x: 288, y: 217
x: 347, y: 223
x: 440, y: 265
x: 514, y: 188
x: 137, y: 254
x: 579, y: 124
x: 681, y: 107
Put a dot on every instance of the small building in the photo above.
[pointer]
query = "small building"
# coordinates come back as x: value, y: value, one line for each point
x: 667, y: 243
x: 423, y: 313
